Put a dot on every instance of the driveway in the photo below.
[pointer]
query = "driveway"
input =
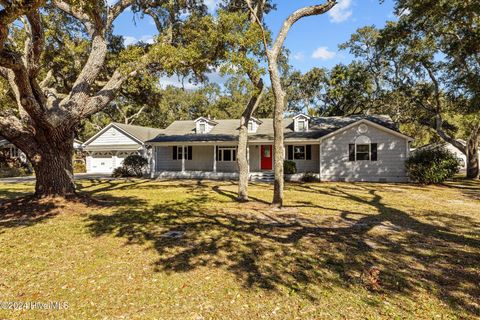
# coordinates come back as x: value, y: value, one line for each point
x: 78, y: 176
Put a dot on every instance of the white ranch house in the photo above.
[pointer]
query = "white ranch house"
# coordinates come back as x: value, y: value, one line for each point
x: 357, y: 148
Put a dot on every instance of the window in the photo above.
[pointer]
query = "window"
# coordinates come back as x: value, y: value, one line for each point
x: 178, y: 153
x: 226, y: 154
x: 299, y: 152
x: 301, y: 125
x: 303, y: 152
x: 363, y: 152
x: 250, y: 126
x: 202, y: 128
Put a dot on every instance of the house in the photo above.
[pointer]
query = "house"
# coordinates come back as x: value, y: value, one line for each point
x: 355, y: 148
x: 12, y: 151
x: 107, y: 149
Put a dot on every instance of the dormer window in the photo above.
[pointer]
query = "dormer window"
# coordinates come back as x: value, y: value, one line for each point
x: 253, y: 125
x: 204, y: 125
x: 300, y: 123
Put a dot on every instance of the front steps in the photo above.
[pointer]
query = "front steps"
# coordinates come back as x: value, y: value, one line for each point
x: 265, y: 176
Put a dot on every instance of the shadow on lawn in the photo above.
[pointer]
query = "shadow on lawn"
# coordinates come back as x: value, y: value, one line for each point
x: 22, y: 209
x: 272, y: 249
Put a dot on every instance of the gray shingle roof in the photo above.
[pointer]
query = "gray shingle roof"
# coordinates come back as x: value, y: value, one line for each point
x: 141, y: 133
x: 227, y: 130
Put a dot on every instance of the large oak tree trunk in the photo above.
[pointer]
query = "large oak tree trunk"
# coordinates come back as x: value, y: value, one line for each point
x: 51, y: 158
x: 472, y: 159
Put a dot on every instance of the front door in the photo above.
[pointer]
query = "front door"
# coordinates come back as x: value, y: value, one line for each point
x: 267, y: 158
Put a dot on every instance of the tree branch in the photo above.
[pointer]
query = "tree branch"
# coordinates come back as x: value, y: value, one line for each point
x: 76, y: 13
x: 34, y: 44
x: 116, y: 10
x: 294, y: 17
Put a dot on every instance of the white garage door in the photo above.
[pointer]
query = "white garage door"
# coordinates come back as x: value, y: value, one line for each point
x: 101, y: 163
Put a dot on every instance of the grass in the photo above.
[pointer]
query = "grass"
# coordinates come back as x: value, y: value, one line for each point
x: 316, y: 259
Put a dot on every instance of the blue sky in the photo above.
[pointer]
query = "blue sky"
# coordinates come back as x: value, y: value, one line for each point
x: 313, y: 41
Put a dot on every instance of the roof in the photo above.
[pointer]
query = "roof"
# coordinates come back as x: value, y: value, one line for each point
x: 227, y: 130
x: 139, y: 133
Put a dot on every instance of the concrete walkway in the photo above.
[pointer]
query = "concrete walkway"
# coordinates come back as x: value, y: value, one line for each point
x: 78, y: 176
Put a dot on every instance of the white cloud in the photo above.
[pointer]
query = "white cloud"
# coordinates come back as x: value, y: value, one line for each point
x: 323, y: 53
x: 299, y: 56
x: 128, y: 40
x: 341, y: 12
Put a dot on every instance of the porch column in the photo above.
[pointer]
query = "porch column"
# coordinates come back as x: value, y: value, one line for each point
x: 152, y: 154
x: 214, y: 158
x: 183, y: 158
x: 320, y: 162
x: 248, y: 158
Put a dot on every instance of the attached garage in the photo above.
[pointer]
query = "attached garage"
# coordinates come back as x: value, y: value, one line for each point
x: 110, y: 146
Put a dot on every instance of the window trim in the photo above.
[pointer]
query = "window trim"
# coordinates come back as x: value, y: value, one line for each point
x: 204, y: 124
x: 372, y: 152
x: 304, y: 121
x: 250, y: 127
x: 177, y: 153
x: 221, y: 152
x: 369, y: 152
x: 306, y: 152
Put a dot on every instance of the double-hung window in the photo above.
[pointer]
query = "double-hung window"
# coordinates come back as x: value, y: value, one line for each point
x: 363, y: 152
x: 301, y: 125
x: 226, y: 154
x: 301, y: 152
x: 178, y: 153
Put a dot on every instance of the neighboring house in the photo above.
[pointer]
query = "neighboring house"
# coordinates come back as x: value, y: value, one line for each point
x: 12, y: 151
x: 107, y: 149
x: 460, y: 155
x: 356, y: 148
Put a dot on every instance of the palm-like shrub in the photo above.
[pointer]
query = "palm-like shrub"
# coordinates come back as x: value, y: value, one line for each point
x: 133, y: 166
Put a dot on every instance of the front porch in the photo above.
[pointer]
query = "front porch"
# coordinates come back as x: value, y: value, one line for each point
x: 218, y: 161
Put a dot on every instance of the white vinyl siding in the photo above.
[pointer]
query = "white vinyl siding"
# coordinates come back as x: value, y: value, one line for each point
x: 113, y: 137
x: 390, y: 164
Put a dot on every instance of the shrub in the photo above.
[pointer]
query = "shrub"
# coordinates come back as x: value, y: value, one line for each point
x: 434, y: 165
x: 309, y: 177
x: 79, y: 167
x: 289, y: 167
x: 133, y: 166
x: 120, y: 172
x: 12, y: 167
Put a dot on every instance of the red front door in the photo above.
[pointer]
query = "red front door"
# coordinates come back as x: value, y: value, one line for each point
x: 267, y: 157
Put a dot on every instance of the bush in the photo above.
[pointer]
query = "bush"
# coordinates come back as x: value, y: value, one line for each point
x: 309, y: 177
x: 289, y: 167
x: 12, y: 167
x: 120, y: 172
x: 79, y: 167
x: 429, y: 166
x: 133, y: 166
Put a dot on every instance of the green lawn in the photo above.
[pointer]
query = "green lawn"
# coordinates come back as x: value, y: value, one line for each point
x: 109, y: 258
